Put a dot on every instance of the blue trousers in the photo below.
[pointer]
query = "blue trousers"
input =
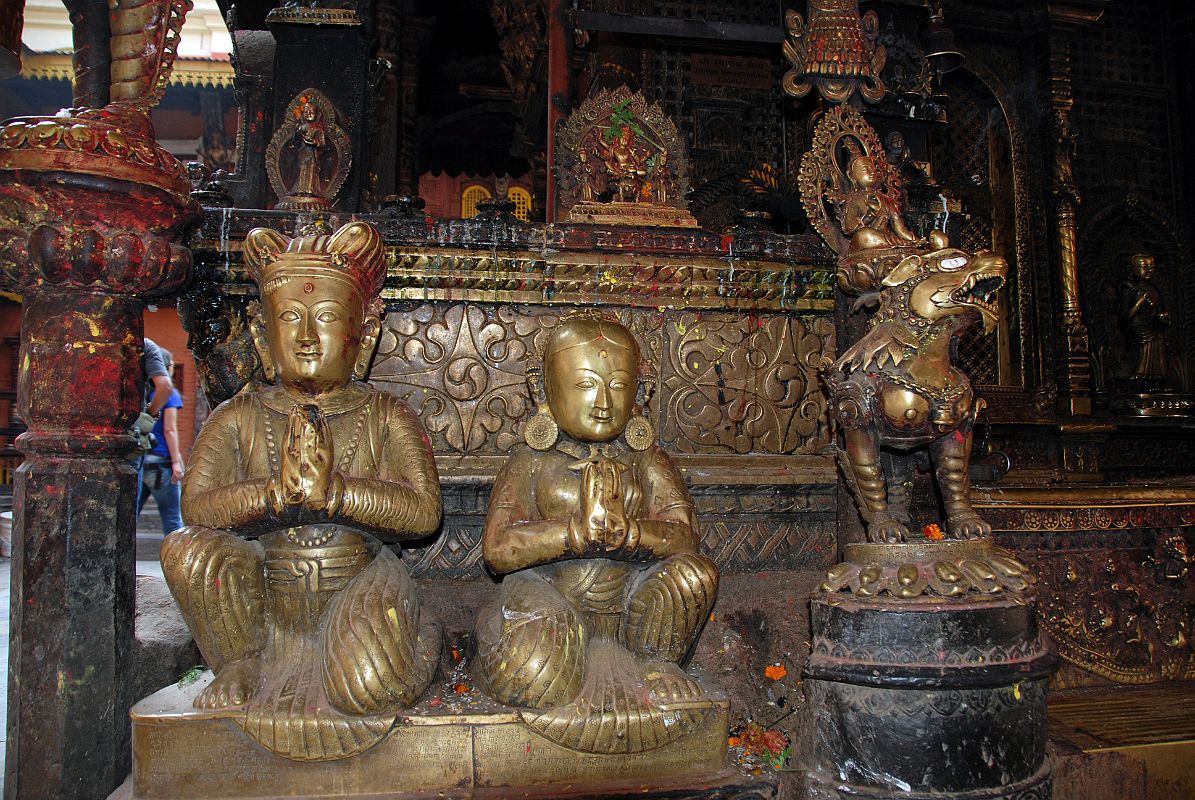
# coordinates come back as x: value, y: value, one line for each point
x: 155, y: 480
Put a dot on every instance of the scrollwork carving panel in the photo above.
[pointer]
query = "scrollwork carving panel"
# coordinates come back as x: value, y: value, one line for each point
x: 739, y: 384
x: 462, y: 367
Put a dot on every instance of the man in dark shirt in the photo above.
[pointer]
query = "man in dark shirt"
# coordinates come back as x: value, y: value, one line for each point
x: 157, y: 377
x: 157, y: 380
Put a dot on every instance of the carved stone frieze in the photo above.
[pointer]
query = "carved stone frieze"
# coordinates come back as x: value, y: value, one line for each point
x: 1122, y: 612
x: 745, y: 384
x: 460, y: 367
x: 766, y: 543
x: 728, y: 384
x: 463, y: 367
x: 1093, y: 518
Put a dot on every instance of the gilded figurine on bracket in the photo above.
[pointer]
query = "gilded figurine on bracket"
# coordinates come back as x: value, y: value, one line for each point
x: 592, y: 526
x: 310, y: 624
x: 896, y: 390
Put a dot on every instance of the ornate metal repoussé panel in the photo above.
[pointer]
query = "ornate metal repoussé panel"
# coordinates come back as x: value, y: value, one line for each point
x: 734, y: 327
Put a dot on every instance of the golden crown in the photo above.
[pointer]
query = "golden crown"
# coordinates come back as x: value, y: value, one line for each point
x: 354, y: 253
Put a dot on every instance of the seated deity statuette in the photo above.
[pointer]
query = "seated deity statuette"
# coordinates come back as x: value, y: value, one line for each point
x: 310, y: 624
x: 593, y: 528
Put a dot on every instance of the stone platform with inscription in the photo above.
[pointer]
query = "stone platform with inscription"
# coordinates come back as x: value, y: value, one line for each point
x: 477, y: 750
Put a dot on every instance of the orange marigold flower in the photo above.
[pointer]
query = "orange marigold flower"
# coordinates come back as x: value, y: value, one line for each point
x: 933, y: 532
x: 775, y: 671
x: 462, y: 688
x: 734, y: 741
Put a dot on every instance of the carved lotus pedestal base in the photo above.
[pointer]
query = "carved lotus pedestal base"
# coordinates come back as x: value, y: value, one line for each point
x: 643, y: 214
x: 927, y: 696
x: 183, y: 753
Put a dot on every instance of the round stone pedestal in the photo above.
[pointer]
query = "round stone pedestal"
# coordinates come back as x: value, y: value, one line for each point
x: 927, y: 696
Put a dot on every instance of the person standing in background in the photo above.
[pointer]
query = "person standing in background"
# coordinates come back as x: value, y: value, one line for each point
x: 155, y: 391
x: 164, y: 466
x: 157, y: 378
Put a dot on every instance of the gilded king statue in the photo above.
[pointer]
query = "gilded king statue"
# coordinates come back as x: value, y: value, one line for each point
x: 309, y: 622
x: 593, y: 528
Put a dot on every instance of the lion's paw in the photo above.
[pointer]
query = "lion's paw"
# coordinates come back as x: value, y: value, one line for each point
x: 968, y: 526
x: 887, y: 530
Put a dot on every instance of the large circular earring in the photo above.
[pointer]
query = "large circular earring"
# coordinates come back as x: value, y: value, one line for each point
x: 361, y: 367
x: 541, y: 431
x: 640, y: 433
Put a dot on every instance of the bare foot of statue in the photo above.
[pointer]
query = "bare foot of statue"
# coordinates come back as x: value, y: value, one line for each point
x: 232, y: 686
x: 668, y: 683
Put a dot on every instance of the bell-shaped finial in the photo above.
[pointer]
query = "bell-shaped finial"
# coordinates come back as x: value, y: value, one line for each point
x: 835, y: 53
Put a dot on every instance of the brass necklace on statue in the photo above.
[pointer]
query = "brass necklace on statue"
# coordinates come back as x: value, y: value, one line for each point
x: 586, y: 452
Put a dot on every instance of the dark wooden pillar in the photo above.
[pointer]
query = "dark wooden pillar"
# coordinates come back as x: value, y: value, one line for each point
x: 87, y: 231
x: 12, y: 16
x: 415, y: 40
x: 73, y: 552
x: 383, y: 138
x: 560, y: 58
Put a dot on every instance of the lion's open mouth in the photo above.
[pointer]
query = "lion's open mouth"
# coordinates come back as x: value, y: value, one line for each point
x: 979, y: 290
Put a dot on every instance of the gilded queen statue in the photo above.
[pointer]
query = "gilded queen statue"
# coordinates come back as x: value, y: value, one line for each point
x: 310, y: 624
x: 593, y: 528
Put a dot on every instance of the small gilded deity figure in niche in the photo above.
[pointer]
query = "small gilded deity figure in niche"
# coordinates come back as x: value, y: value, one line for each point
x: 869, y: 216
x: 312, y: 140
x: 626, y: 165
x: 593, y: 528
x: 585, y: 175
x: 309, y: 156
x: 1144, y: 318
x: 622, y: 161
x: 311, y: 625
